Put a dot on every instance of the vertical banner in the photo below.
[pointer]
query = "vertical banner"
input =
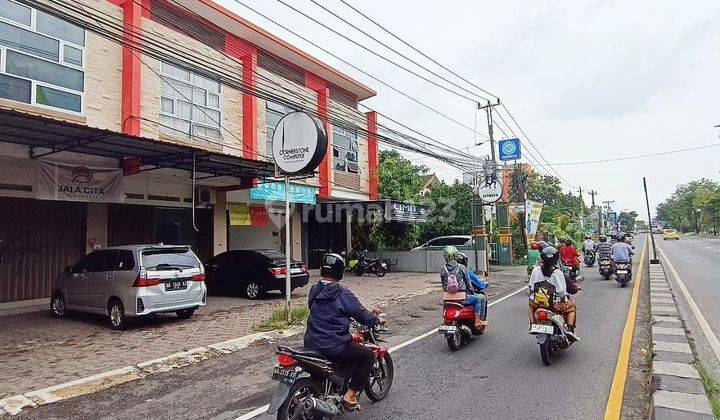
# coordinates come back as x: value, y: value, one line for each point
x: 258, y: 216
x: 532, y: 217
x: 68, y: 182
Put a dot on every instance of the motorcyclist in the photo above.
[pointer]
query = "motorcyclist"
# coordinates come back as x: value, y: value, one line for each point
x: 328, y: 328
x: 562, y: 303
x: 588, y: 245
x: 569, y: 255
x: 460, y: 272
x: 622, y: 252
x: 477, y: 282
x: 604, y: 249
x: 532, y: 256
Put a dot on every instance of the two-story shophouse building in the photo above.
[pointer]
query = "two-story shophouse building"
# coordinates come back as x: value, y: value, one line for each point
x: 144, y: 121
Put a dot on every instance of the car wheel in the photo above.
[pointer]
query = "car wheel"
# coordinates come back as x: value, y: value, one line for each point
x: 252, y: 290
x: 57, y: 305
x: 185, y: 313
x: 116, y: 315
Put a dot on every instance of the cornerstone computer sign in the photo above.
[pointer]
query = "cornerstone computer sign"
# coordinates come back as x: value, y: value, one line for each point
x: 299, y: 143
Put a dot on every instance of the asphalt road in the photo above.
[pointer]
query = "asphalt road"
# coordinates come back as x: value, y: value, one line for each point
x: 697, y: 260
x: 500, y: 374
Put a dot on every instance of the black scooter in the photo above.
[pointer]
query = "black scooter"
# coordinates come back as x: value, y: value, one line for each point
x: 589, y: 258
x: 370, y: 265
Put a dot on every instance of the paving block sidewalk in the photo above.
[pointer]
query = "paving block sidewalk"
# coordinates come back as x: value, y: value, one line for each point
x: 38, y: 351
x: 678, y: 392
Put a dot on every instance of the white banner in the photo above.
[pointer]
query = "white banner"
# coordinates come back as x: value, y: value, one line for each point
x: 532, y: 216
x: 68, y: 182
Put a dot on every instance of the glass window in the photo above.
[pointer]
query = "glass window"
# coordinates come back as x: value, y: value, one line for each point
x: 273, y: 114
x: 345, y: 148
x: 72, y: 55
x: 125, y: 260
x: 15, y: 89
x: 15, y: 12
x: 167, y: 105
x: 196, y: 101
x: 44, y: 71
x: 168, y: 259
x: 90, y: 263
x: 58, y: 98
x: 58, y: 28
x: 29, y: 42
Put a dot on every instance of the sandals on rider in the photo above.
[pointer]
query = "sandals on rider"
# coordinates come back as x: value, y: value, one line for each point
x: 348, y: 406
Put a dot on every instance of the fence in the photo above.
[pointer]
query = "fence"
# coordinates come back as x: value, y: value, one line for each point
x: 425, y: 261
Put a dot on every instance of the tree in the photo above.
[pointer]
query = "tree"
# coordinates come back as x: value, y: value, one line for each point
x: 627, y: 221
x: 450, y: 211
x: 694, y: 206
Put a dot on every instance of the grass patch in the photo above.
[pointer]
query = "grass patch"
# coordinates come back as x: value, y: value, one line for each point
x: 278, y: 319
x: 648, y: 355
x: 711, y: 387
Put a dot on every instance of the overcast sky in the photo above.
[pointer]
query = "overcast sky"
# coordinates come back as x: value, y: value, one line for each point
x: 586, y: 80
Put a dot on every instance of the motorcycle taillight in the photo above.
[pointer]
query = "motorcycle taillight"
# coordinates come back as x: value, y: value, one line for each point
x: 285, y: 360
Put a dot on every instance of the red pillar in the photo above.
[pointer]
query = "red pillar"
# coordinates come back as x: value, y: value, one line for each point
x: 131, y: 93
x: 374, y: 175
x: 247, y: 54
x: 323, y: 102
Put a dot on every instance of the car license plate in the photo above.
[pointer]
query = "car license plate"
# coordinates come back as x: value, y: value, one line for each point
x: 176, y: 285
x: 541, y: 329
x: 295, y: 270
x: 447, y: 329
x: 284, y: 375
x: 622, y: 271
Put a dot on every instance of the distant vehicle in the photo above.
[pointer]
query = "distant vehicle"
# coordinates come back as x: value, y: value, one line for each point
x: 657, y: 231
x: 131, y: 281
x: 670, y: 234
x: 253, y: 273
x: 439, y: 243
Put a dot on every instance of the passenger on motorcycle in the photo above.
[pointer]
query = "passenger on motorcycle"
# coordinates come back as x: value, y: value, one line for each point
x: 589, y: 245
x: 453, y: 272
x: 621, y: 251
x: 479, y: 284
x: 328, y: 327
x: 604, y: 249
x: 569, y: 255
x: 548, y: 271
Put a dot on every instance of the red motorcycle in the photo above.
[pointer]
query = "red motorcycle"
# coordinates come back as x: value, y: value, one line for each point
x: 459, y: 324
x: 311, y: 387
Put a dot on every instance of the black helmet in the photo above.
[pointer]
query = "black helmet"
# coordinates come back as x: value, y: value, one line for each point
x: 603, y: 238
x: 550, y: 255
x: 621, y: 238
x: 462, y: 259
x: 333, y: 267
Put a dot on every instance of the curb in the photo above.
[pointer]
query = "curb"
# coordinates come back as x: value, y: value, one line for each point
x: 17, y: 403
x: 678, y: 392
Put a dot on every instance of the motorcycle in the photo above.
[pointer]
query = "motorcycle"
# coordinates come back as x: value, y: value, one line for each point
x: 606, y: 268
x: 623, y: 273
x: 311, y: 387
x: 551, y: 333
x: 589, y: 258
x: 369, y: 265
x: 459, y: 324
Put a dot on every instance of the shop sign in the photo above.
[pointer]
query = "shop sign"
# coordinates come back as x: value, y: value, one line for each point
x: 490, y: 185
x: 245, y: 215
x: 405, y: 212
x: 532, y: 216
x: 275, y: 191
x: 299, y: 143
x: 509, y: 149
x: 68, y: 182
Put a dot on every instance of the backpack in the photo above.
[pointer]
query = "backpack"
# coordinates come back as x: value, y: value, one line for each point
x: 451, y: 279
x: 544, y: 295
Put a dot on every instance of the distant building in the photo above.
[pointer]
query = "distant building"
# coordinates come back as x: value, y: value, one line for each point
x: 430, y: 182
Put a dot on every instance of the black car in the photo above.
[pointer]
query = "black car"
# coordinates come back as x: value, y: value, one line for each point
x: 252, y: 273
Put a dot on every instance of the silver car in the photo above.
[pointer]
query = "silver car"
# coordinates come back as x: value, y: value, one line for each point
x: 459, y: 241
x: 130, y: 281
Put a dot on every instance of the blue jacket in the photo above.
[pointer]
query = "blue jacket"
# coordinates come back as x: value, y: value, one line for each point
x: 331, y: 307
x: 481, y: 284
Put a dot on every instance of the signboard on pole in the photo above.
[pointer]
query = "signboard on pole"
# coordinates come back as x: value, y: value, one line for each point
x: 299, y: 143
x: 509, y: 149
x: 490, y: 185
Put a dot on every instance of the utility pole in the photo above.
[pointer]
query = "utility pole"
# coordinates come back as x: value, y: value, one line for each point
x: 592, y: 201
x: 607, y: 207
x: 488, y: 112
x: 654, y: 260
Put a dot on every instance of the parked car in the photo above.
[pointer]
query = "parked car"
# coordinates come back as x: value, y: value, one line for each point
x: 253, y: 273
x: 132, y: 281
x: 439, y: 243
x: 670, y: 234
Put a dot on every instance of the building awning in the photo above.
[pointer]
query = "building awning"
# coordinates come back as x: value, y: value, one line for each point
x: 47, y: 136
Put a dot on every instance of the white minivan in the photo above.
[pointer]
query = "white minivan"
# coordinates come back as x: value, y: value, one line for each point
x: 130, y: 281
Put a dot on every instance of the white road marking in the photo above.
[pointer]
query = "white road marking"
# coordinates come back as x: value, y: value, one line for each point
x: 261, y: 410
x: 709, y: 334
